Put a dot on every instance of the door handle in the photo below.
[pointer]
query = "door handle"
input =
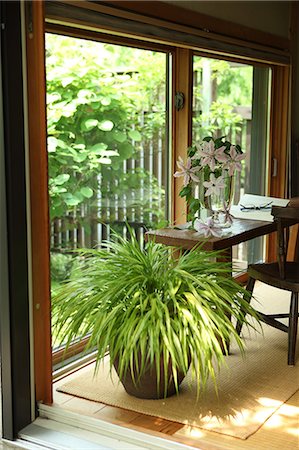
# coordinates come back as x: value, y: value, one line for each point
x: 179, y: 101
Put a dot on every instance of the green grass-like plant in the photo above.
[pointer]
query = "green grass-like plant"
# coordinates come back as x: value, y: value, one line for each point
x: 144, y: 304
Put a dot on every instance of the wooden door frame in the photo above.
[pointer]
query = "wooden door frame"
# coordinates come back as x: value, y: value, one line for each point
x: 279, y: 139
x: 38, y: 163
x: 182, y: 126
x: 182, y: 82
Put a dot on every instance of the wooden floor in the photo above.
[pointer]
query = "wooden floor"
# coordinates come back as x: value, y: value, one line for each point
x: 280, y: 431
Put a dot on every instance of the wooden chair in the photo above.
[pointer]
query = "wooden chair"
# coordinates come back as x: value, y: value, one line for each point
x: 282, y: 274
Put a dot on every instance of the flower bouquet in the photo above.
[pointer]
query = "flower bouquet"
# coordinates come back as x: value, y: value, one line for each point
x: 208, y: 183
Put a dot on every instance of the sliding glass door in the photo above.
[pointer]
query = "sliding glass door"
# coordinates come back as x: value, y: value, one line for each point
x: 90, y: 169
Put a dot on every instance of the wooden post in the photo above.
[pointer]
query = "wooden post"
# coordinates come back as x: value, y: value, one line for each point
x: 182, y: 125
x: 35, y: 43
x: 278, y: 142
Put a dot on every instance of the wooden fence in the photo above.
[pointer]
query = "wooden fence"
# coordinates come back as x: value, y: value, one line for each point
x: 142, y: 206
x: 135, y: 196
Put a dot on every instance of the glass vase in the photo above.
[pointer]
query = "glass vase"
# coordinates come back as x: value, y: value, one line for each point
x: 205, y: 209
x: 220, y: 204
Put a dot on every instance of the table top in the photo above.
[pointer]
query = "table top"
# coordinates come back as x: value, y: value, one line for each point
x: 241, y: 230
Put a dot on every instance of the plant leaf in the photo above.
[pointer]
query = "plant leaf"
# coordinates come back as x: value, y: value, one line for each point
x: 90, y: 124
x: 61, y: 179
x: 86, y: 192
x: 106, y: 125
x: 135, y: 135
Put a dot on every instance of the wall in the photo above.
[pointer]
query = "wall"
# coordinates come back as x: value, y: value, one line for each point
x: 269, y: 16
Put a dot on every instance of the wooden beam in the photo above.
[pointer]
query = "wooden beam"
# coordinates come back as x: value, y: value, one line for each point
x: 103, y: 37
x: 295, y: 98
x: 182, y: 125
x: 182, y: 16
x: 39, y: 199
x: 103, y: 16
x: 279, y: 142
x: 279, y: 138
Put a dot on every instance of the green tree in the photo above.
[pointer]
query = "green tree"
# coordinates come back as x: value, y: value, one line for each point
x: 231, y: 84
x: 95, y: 93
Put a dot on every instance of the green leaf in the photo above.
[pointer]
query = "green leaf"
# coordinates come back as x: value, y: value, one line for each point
x: 80, y: 157
x: 186, y: 190
x: 125, y: 150
x: 86, y: 192
x: 119, y: 136
x: 109, y: 153
x: 57, y: 190
x: 106, y: 125
x: 67, y: 80
x: 104, y: 160
x: 53, y: 97
x: 61, y: 179
x: 135, y: 135
x: 72, y: 201
x: 115, y: 164
x: 90, y: 124
x: 62, y: 144
x: 106, y: 101
x: 52, y: 144
x: 79, y: 196
x: 56, y: 211
x: 194, y: 204
x: 84, y: 93
x: 95, y: 105
x: 98, y: 148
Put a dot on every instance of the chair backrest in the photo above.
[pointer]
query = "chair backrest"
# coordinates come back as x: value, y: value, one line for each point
x: 285, y: 216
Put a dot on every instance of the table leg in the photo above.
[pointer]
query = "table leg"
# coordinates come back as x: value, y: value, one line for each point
x: 227, y: 257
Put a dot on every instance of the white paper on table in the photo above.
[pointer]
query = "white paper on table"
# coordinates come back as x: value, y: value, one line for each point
x: 256, y: 200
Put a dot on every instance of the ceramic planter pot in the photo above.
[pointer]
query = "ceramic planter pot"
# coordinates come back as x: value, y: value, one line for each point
x: 146, y: 386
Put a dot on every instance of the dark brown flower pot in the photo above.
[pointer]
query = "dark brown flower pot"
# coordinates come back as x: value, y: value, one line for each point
x: 146, y: 385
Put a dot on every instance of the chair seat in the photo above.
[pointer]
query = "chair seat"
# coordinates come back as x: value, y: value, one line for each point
x: 269, y: 273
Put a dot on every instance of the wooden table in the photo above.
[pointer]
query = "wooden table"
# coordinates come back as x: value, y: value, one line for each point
x: 241, y: 230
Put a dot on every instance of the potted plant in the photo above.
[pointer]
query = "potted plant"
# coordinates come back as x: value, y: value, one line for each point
x: 155, y: 309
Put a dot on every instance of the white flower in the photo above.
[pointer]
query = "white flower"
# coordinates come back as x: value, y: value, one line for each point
x: 234, y: 163
x: 220, y: 155
x: 207, y: 228
x: 186, y: 171
x: 209, y: 156
x: 214, y: 185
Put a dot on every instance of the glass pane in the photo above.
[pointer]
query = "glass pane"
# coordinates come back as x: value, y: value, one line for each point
x: 232, y: 100
x: 107, y: 144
